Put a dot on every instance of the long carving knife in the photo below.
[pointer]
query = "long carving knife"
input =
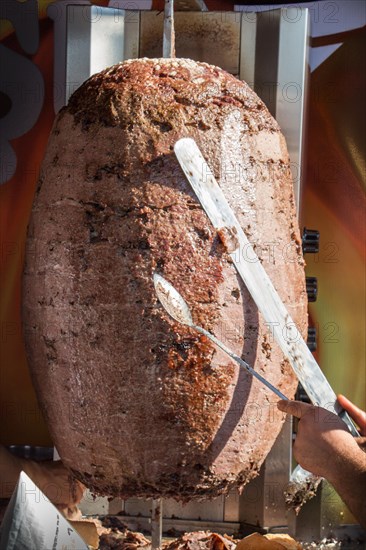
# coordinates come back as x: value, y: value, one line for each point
x: 256, y: 279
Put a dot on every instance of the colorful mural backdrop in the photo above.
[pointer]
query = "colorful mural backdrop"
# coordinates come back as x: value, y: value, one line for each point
x: 333, y: 202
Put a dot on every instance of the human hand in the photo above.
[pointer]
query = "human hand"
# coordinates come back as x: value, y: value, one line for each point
x: 55, y: 481
x: 357, y: 414
x: 323, y: 440
x: 325, y: 447
x: 51, y: 477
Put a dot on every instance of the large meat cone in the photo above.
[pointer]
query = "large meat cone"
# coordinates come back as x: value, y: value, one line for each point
x: 137, y: 404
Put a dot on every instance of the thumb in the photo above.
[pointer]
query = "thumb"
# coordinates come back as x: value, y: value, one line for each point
x: 295, y: 408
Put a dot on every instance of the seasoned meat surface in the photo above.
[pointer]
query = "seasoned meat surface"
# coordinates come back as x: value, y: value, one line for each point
x: 137, y: 404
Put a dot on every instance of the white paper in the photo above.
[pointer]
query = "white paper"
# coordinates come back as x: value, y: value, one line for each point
x: 31, y: 522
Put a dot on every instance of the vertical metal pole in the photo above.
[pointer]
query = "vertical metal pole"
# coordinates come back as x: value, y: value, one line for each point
x: 169, y: 34
x: 168, y: 51
x: 156, y: 523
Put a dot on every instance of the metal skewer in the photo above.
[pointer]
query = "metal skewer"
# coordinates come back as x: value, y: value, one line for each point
x: 169, y: 34
x: 168, y: 51
x: 156, y: 523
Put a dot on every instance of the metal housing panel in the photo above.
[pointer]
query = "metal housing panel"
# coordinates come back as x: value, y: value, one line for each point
x: 248, y: 36
x: 213, y: 37
x: 276, y: 66
x: 95, y: 40
x: 293, y: 70
x: 89, y: 39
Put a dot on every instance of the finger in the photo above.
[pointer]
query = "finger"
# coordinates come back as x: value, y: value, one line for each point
x: 361, y: 442
x: 295, y: 408
x: 357, y: 414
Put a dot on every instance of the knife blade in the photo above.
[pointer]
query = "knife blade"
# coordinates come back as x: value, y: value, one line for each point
x: 256, y: 279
